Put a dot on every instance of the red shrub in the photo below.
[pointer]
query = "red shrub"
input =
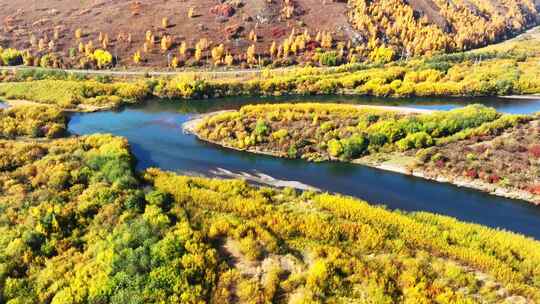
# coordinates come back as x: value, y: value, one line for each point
x: 494, y: 178
x: 534, y: 151
x: 534, y: 189
x: 223, y: 10
x: 232, y: 30
x: 472, y: 173
x: 313, y: 45
x: 480, y: 149
x: 278, y: 32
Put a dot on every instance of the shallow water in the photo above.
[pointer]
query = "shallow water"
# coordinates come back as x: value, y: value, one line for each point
x: 157, y: 140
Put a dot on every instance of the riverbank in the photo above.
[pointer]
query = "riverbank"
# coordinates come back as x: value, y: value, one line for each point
x: 498, y: 71
x: 395, y: 163
x: 525, y: 97
x: 81, y: 108
x: 389, y: 165
x: 401, y: 162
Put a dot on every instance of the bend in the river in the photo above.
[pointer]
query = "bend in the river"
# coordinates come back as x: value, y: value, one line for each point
x: 157, y: 140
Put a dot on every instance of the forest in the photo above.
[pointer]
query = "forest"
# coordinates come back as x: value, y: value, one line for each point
x: 444, y: 27
x: 79, y: 225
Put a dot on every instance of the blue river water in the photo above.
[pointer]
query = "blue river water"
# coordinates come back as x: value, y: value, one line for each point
x: 157, y: 140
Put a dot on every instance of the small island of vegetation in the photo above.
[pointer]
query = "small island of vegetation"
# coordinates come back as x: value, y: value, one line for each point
x: 473, y: 146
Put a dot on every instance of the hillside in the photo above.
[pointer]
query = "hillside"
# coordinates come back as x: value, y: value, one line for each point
x: 158, y: 33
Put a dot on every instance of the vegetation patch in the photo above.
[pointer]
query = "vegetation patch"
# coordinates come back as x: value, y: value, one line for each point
x: 32, y: 121
x: 472, y: 146
x: 505, y: 157
x: 79, y: 227
x: 345, y: 132
x: 510, y: 68
x: 71, y: 93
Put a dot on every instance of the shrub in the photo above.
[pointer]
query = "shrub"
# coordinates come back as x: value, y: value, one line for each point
x: 292, y: 152
x: 354, y: 146
x: 47, y: 61
x: 534, y: 151
x: 329, y: 58
x: 160, y: 199
x: 56, y: 131
x: 326, y: 126
x: 102, y: 58
x: 335, y: 148
x: 11, y: 57
x: 261, y: 128
x: 471, y: 173
x: 377, y: 139
x: 280, y: 134
x: 416, y: 140
x: 424, y: 155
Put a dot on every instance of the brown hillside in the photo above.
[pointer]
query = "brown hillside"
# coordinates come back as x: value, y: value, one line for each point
x: 22, y: 18
x: 412, y: 27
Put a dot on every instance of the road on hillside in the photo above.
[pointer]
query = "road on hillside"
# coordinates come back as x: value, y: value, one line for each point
x: 217, y: 74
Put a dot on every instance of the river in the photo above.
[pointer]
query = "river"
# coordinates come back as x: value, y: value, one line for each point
x: 157, y: 140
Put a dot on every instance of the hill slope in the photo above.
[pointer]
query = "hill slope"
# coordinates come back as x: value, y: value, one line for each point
x: 124, y: 27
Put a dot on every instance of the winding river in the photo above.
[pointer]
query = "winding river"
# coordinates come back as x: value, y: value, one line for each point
x: 157, y: 140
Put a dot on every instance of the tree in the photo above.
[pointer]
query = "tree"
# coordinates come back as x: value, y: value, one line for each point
x: 382, y: 54
x: 137, y: 58
x: 250, y: 54
x: 273, y: 49
x: 217, y: 54
x: 102, y: 58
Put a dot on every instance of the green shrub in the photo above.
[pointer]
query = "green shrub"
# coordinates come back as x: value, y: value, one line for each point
x: 326, y: 126
x: 261, y: 128
x: 330, y: 58
x: 159, y: 199
x: 354, y: 146
x: 416, y: 140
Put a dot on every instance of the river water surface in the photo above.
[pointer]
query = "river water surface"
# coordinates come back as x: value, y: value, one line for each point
x: 157, y: 140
